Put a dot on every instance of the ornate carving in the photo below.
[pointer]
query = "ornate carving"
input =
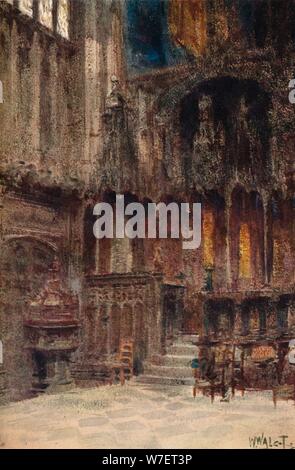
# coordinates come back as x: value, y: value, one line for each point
x: 54, y: 305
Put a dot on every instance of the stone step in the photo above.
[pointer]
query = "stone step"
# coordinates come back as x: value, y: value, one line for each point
x: 168, y: 371
x: 174, y: 367
x: 182, y: 349
x: 172, y: 360
x: 154, y: 379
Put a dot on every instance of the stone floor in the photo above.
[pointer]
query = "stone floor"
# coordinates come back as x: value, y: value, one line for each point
x: 138, y: 416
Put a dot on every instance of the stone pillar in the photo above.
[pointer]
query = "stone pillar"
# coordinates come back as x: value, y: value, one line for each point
x: 36, y: 10
x: 271, y: 319
x: 3, y: 390
x: 114, y: 44
x: 62, y: 374
x: 291, y: 317
x: 238, y: 325
x: 2, y: 351
x: 61, y: 380
x: 2, y: 194
x: 95, y: 77
x: 154, y: 303
x: 97, y: 257
x: 265, y: 232
x: 227, y: 240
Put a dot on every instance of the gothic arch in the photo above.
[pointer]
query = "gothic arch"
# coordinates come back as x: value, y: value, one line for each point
x: 185, y: 84
x: 10, y: 238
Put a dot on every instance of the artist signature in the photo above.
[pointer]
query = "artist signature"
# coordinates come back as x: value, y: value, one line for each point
x: 261, y: 441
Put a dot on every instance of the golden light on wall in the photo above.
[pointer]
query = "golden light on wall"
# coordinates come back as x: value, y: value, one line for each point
x: 208, y: 238
x: 244, y: 252
x: 188, y: 24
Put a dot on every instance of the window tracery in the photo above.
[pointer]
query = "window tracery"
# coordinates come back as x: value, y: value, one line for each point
x: 54, y: 15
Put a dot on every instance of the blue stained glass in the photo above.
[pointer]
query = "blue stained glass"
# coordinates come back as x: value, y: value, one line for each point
x: 148, y: 42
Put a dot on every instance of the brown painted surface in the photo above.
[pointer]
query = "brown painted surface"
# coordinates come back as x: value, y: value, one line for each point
x: 76, y: 129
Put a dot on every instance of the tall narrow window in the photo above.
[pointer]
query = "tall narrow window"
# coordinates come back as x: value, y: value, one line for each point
x: 45, y: 12
x: 63, y: 18
x: 26, y: 6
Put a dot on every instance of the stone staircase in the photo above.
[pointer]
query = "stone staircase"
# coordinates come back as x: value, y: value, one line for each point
x: 174, y: 368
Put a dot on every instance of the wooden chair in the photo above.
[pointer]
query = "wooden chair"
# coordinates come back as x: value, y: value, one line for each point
x: 216, y: 382
x: 206, y: 388
x: 126, y: 357
x: 123, y: 365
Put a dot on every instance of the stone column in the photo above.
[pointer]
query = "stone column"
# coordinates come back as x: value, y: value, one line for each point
x: 265, y: 232
x: 154, y: 307
x: 62, y: 373
x: 97, y: 257
x: 238, y: 326
x: 271, y: 318
x: 2, y: 194
x: 2, y: 351
x: 291, y: 317
x: 227, y: 240
x: 36, y: 10
x: 114, y: 44
x: 3, y: 389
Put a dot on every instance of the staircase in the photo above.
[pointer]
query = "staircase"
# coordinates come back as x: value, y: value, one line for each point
x: 174, y: 368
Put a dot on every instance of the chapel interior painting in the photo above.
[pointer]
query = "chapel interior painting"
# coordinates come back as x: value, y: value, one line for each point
x: 159, y: 101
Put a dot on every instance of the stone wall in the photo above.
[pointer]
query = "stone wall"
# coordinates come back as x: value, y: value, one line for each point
x: 43, y: 103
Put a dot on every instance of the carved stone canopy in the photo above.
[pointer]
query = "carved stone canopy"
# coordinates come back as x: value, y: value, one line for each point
x: 54, y: 293
x: 54, y: 304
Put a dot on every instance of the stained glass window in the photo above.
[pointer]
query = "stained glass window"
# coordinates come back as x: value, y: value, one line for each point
x: 45, y: 12
x: 63, y: 18
x: 26, y: 6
